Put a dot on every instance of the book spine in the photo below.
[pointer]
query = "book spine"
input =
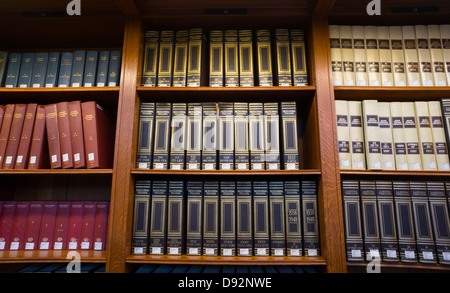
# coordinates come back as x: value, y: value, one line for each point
x: 61, y: 225
x: 75, y: 225
x: 90, y: 68
x: 102, y: 68
x: 292, y: 202
x: 151, y: 57
x: 398, y: 56
x: 180, y: 58
x: 264, y: 54
x: 194, y: 139
x: 195, y: 57
x: 14, y: 136
x: 422, y: 222
x: 256, y: 135
x: 23, y: 149
x: 385, y: 56
x: 291, y: 157
x: 216, y: 63
x: 226, y: 136
x: 424, y: 55
x: 3, y: 68
x: 39, y: 69
x: 343, y: 134
x: 372, y: 134
x: 386, y: 216
x: 26, y: 70
x: 194, y: 218
x: 158, y: 214
x: 348, y: 58
x: 76, y: 134
x: 227, y: 218
x: 437, y: 55
x: 65, y: 69
x: 140, y: 234
x: 47, y: 228
x: 445, y: 38
x: 115, y: 61
x: 311, y: 241
x: 39, y: 142
x: 425, y: 134
x: 412, y: 65
x: 244, y: 241
x: 336, y: 55
x: 79, y: 60
x: 101, y: 225
x: 211, y: 206
x: 277, y: 217
x: 231, y: 58
x: 261, y: 232
x: 17, y: 240
x: 32, y: 226
x: 88, y: 222
x: 145, y: 140
x: 162, y: 126
x: 438, y: 131
x: 175, y: 215
x: 414, y: 152
x: 398, y: 135
x: 209, y: 136
x: 51, y: 114
x: 6, y: 222
x: 272, y: 136
x: 246, y: 74
x: 299, y: 66
x: 356, y: 135
x: 352, y: 220
x: 5, y: 130
x: 359, y: 51
x: 13, y: 69
x: 369, y: 210
x: 284, y: 72
x: 386, y: 139
x: 165, y: 66
x: 51, y: 77
x: 373, y: 56
x: 64, y: 135
x: 241, y: 136
x: 178, y: 136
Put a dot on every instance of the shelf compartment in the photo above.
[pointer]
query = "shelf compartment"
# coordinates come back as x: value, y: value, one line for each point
x: 395, y: 173
x: 227, y: 172
x: 50, y: 256
x: 52, y: 172
x: 391, y: 93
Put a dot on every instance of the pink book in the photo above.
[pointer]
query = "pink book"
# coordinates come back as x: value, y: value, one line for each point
x: 47, y: 229
x: 61, y: 225
x: 6, y: 221
x: 87, y: 230
x: 75, y: 221
x: 19, y: 224
x: 33, y: 225
x: 101, y: 225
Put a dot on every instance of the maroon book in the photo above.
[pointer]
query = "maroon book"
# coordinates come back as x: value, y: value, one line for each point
x: 54, y: 146
x: 39, y: 156
x: 47, y: 229
x: 88, y: 222
x: 19, y: 225
x: 4, y: 131
x: 98, y: 136
x: 76, y: 134
x: 23, y: 149
x: 101, y: 225
x: 6, y: 223
x: 33, y: 225
x: 14, y: 136
x: 75, y: 222
x: 61, y: 225
x: 64, y: 135
x: 2, y: 113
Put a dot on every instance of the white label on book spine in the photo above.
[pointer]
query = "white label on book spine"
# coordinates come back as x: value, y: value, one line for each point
x: 244, y: 251
x: 138, y: 250
x: 156, y: 250
x: 76, y: 157
x: 57, y: 245
x: 176, y: 167
x: 84, y: 245
x: 193, y: 250
x: 261, y: 251
x: 91, y: 156
x: 14, y: 246
x: 8, y: 160
x: 29, y: 246
x: 356, y: 253
x: 391, y: 253
x: 173, y: 250
x: 65, y: 157
x: 2, y: 245
x: 73, y: 245
x: 278, y: 252
x: 98, y: 245
x: 294, y: 252
x: 54, y: 158
x: 209, y: 251
x: 19, y: 159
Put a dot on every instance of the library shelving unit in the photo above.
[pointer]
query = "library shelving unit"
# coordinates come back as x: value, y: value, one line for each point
x: 121, y: 24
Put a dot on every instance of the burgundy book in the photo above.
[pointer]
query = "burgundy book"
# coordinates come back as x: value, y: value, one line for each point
x: 23, y: 149
x: 61, y: 225
x: 54, y: 146
x: 65, y: 141
x: 19, y: 225
x: 6, y: 222
x: 47, y: 229
x: 33, y: 225
x: 101, y: 225
x: 98, y: 136
x: 14, y: 136
x: 88, y: 222
x: 39, y: 156
x: 4, y: 131
x: 1, y: 204
x: 2, y: 113
x: 76, y: 134
x: 75, y: 221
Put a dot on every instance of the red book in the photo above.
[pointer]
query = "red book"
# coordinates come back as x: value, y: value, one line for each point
x: 98, y: 136
x: 64, y: 135
x: 19, y: 225
x: 39, y: 157
x: 76, y: 134
x: 54, y: 146
x: 4, y: 131
x: 1, y: 205
x: 75, y: 222
x: 61, y: 225
x: 47, y: 229
x: 33, y: 225
x: 88, y: 224
x: 101, y: 225
x: 23, y: 149
x: 6, y: 222
x: 2, y: 113
x: 14, y: 136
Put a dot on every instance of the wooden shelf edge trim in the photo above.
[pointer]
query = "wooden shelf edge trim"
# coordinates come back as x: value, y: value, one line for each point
x: 58, y: 89
x: 395, y: 173
x: 43, y: 256
x: 225, y: 172
x: 224, y: 89
x: 420, y: 266
x: 392, y: 88
x: 56, y: 172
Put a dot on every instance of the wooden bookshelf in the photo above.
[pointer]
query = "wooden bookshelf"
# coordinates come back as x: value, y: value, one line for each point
x: 50, y: 256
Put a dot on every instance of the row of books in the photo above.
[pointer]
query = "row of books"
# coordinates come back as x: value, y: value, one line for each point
x: 223, y: 135
x: 58, y: 225
x: 79, y: 68
x: 397, y: 221
x: 227, y: 218
x: 174, y: 58
x: 408, y: 55
x: 39, y: 268
x: 224, y: 269
x: 61, y: 135
x: 393, y: 135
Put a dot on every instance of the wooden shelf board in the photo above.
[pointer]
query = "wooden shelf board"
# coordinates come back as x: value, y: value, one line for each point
x: 50, y: 256
x: 57, y: 172
x: 395, y: 173
x: 223, y: 260
x: 226, y: 172
x: 391, y: 93
x: 400, y: 265
x: 58, y: 89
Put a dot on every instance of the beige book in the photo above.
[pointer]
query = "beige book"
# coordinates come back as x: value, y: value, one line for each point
x: 439, y: 139
x: 398, y: 56
x: 398, y: 135
x: 343, y: 134
x: 437, y: 55
x: 336, y: 55
x: 359, y: 51
x: 386, y: 140
x: 423, y: 52
x: 445, y: 37
x: 385, y: 55
x: 348, y: 59
x: 411, y: 136
x: 411, y: 57
x: 373, y: 56
x: 356, y: 135
x: 372, y: 134
x: 425, y: 134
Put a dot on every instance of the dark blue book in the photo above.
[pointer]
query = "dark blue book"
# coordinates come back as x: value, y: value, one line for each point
x: 78, y: 62
x: 39, y: 69
x: 12, y: 72
x: 90, y: 68
x: 51, y: 76
x: 194, y: 218
x: 180, y: 269
x: 102, y: 68
x: 115, y: 61
x: 65, y: 69
x: 26, y: 70
x: 227, y: 218
x: 3, y: 63
x: 157, y: 244
x: 211, y: 218
x: 146, y: 268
